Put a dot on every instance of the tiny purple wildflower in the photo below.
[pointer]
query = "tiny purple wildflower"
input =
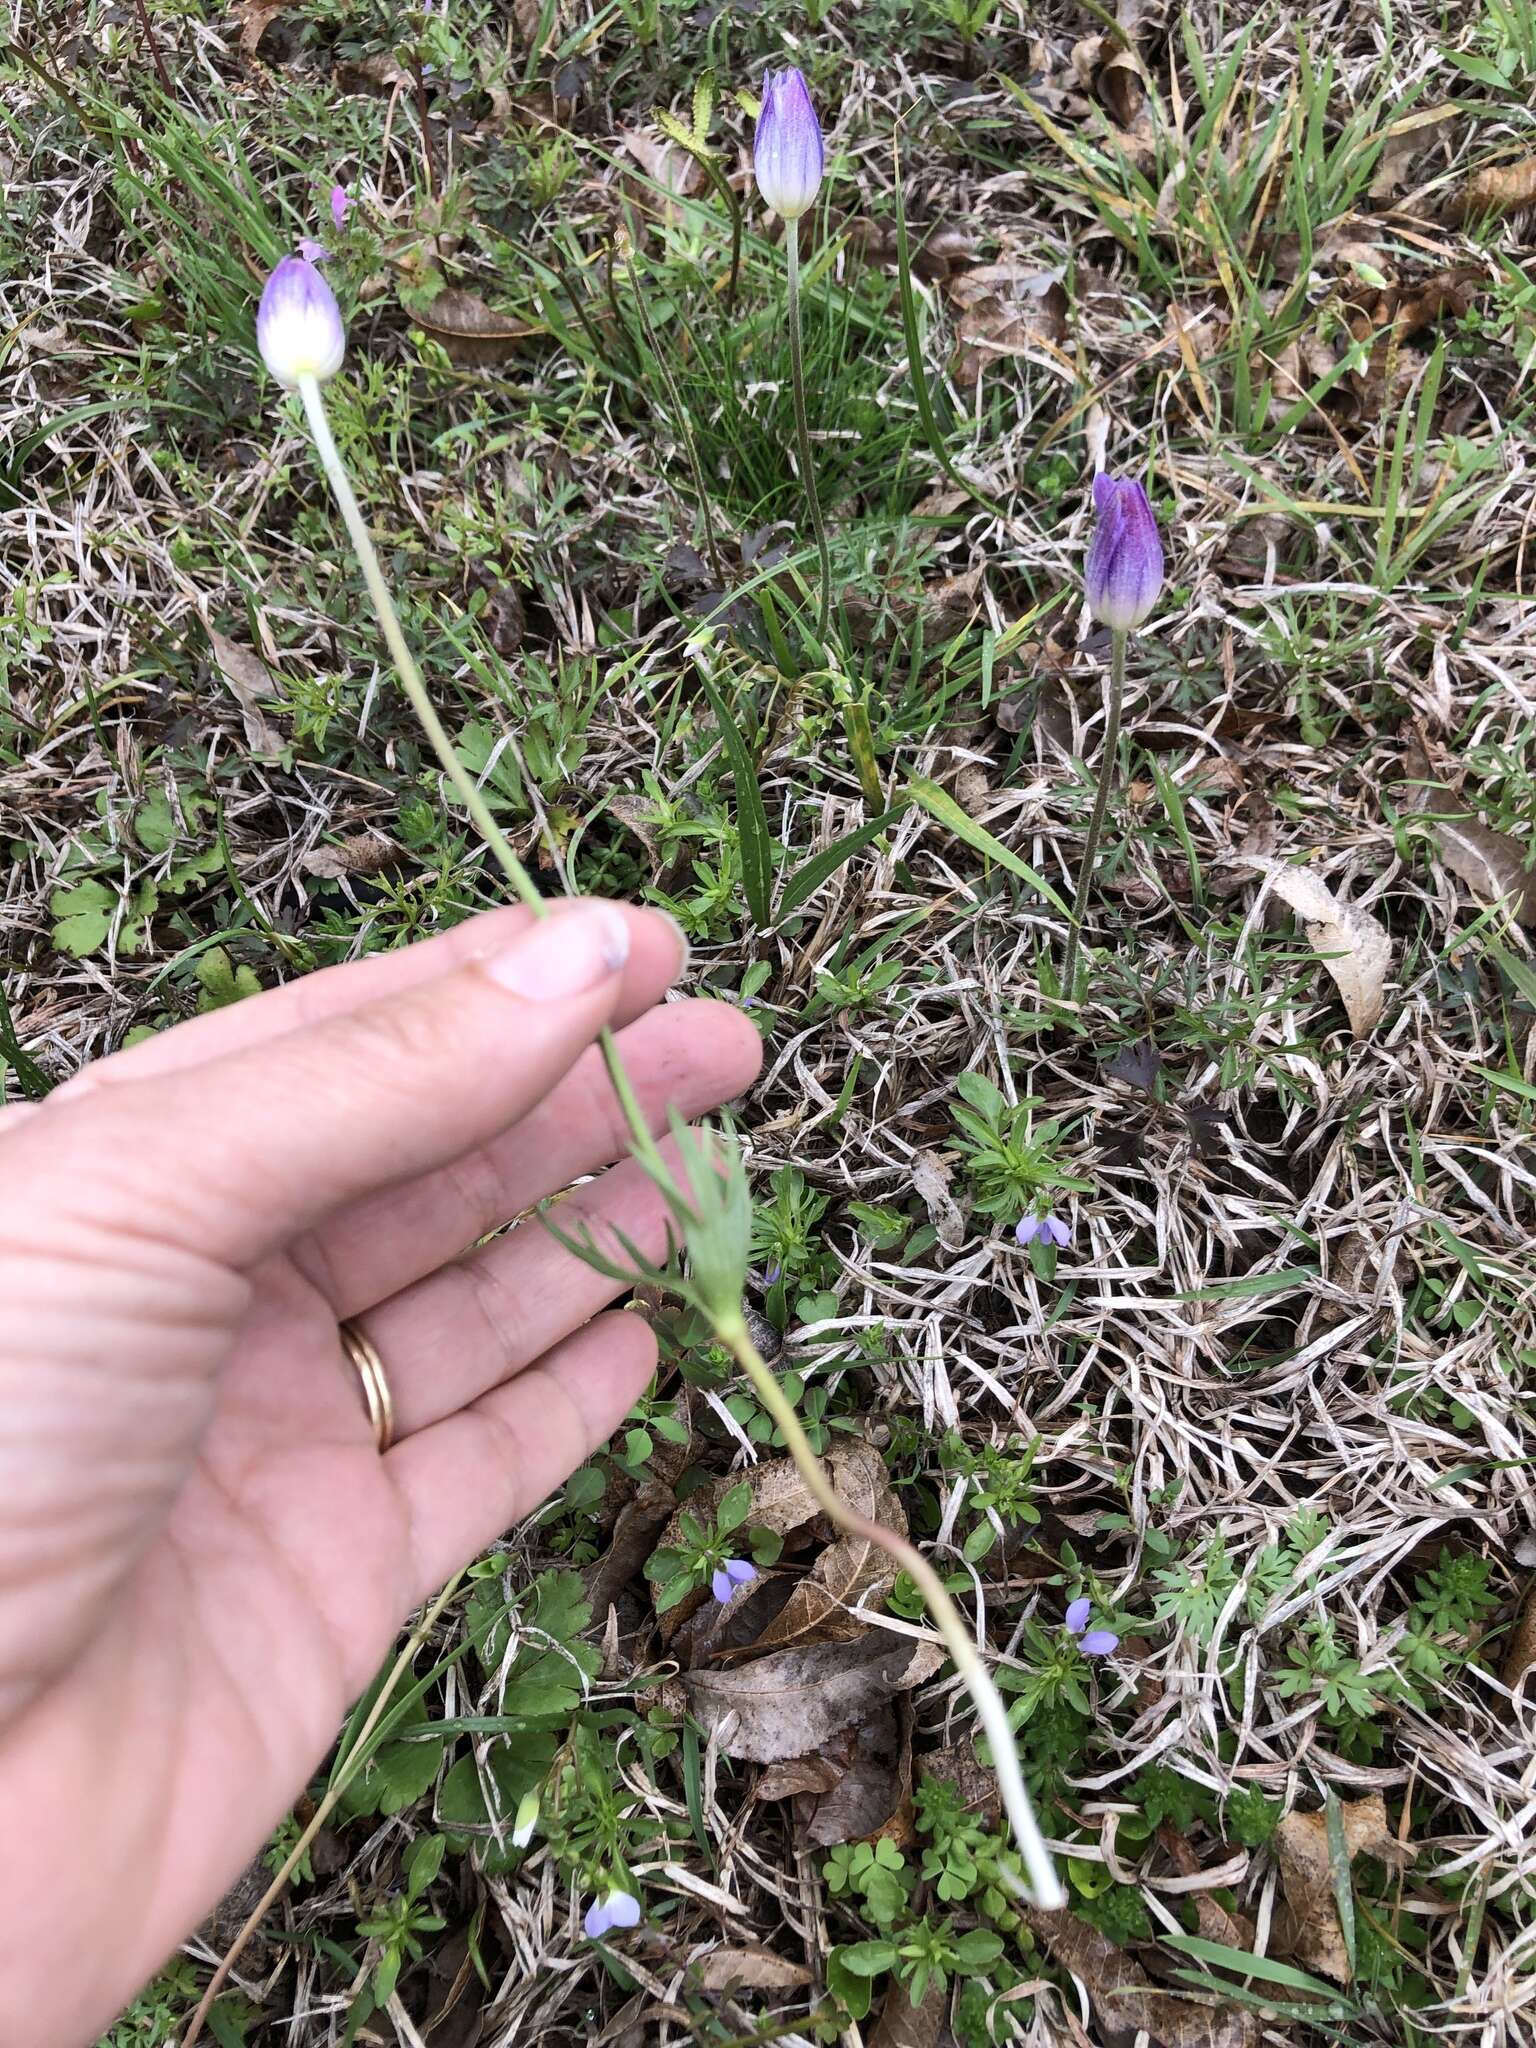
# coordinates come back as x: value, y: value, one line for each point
x: 1124, y: 570
x: 341, y: 205
x: 733, y: 1573
x: 313, y: 251
x: 1045, y: 1229
x: 1093, y: 1642
x: 617, y: 1909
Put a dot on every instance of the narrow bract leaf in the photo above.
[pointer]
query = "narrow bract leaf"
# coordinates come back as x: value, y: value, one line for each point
x: 938, y: 803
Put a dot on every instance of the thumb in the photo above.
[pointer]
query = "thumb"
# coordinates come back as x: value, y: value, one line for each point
x: 230, y: 1159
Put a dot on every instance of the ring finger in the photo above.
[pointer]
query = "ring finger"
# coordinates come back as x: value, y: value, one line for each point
x: 473, y: 1324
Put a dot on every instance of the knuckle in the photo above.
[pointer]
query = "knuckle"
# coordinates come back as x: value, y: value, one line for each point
x: 388, y: 1040
x: 494, y: 1306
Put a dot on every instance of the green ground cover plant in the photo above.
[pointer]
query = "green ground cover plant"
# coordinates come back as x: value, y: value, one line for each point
x: 1181, y: 1296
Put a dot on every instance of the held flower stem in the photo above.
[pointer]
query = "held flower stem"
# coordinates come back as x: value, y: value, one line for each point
x: 1046, y: 1886
x: 1107, y: 769
x: 411, y: 682
x: 802, y: 425
x: 723, y: 1290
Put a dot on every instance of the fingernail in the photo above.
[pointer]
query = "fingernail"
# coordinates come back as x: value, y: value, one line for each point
x: 565, y: 955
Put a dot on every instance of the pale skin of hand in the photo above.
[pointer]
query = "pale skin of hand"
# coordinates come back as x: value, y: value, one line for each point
x: 203, y: 1558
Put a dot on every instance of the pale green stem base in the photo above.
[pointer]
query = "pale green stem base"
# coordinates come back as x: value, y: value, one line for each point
x: 802, y: 426
x: 1046, y: 1886
x: 1108, y: 764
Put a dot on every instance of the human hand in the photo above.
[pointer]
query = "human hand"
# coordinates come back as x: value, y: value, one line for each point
x: 203, y: 1557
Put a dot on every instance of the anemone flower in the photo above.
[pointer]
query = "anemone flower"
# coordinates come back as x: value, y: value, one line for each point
x: 788, y: 162
x: 1121, y: 580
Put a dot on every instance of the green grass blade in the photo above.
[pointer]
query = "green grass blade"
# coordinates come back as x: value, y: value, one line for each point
x: 809, y: 876
x: 751, y: 819
x: 1242, y: 1964
x: 938, y: 803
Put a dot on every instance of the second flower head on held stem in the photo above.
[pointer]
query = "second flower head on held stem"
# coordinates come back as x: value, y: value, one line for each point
x: 1124, y: 570
x: 787, y: 154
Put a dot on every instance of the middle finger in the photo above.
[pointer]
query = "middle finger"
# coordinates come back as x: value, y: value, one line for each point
x: 478, y: 1322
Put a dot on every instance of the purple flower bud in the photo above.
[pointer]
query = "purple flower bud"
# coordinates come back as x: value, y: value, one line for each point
x: 1077, y: 1615
x: 787, y: 156
x: 733, y: 1573
x: 1124, y: 571
x: 298, y: 324
x: 618, y: 1909
x: 341, y: 205
x: 313, y: 251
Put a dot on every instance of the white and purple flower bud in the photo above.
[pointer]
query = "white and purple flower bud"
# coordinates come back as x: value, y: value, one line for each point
x: 525, y: 1820
x: 787, y: 155
x: 616, y: 1909
x: 298, y: 324
x: 1124, y: 570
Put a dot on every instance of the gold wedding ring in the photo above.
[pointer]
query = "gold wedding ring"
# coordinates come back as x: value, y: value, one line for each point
x: 369, y: 1368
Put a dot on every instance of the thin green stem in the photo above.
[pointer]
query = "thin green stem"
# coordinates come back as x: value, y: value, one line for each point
x: 1107, y: 767
x: 802, y: 425
x: 405, y: 662
x: 1045, y: 1884
x: 346, y: 1771
x: 416, y: 690
x: 678, y: 411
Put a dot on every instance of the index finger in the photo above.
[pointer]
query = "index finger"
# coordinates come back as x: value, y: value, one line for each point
x: 656, y: 949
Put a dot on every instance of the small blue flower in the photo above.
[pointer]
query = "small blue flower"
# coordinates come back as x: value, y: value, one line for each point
x: 617, y: 1909
x: 733, y: 1573
x: 1124, y: 570
x: 1093, y: 1642
x: 787, y: 154
x: 1045, y: 1229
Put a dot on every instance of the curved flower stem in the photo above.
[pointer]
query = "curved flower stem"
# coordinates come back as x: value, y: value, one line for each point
x: 732, y: 203
x: 346, y: 1770
x: 1107, y: 768
x: 802, y: 425
x: 464, y: 785
x: 1046, y: 1885
x: 729, y: 1327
